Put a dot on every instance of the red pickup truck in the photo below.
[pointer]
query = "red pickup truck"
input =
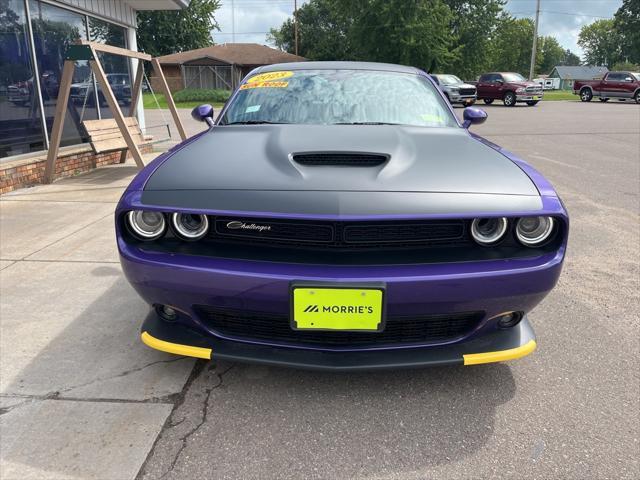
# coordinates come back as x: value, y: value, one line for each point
x: 621, y: 85
x: 509, y: 87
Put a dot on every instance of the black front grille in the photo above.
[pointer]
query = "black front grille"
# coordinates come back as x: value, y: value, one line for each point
x: 275, y: 328
x: 402, y: 233
x: 304, y: 233
x: 340, y: 159
x: 467, y: 91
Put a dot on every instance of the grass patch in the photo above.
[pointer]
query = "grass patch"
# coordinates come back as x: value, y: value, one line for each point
x: 150, y: 103
x: 551, y: 95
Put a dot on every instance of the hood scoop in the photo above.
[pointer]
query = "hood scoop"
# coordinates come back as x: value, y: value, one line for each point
x: 337, y: 159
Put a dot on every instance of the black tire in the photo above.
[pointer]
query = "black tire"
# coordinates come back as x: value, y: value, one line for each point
x: 509, y: 99
x: 637, y: 96
x: 603, y: 100
x: 586, y: 95
x: 487, y: 101
x: 533, y: 103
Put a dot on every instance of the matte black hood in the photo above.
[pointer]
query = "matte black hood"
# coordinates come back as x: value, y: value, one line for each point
x: 259, y: 157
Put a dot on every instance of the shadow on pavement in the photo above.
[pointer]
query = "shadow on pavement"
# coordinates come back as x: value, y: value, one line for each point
x: 302, y: 424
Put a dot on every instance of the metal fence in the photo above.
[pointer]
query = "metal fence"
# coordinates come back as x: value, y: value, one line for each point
x: 209, y: 77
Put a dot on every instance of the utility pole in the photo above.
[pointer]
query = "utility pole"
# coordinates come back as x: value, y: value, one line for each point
x: 295, y: 23
x: 233, y: 22
x: 535, y: 42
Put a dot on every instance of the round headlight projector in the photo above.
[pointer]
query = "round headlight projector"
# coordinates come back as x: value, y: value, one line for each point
x: 145, y: 224
x: 533, y: 231
x: 190, y: 226
x: 487, y: 231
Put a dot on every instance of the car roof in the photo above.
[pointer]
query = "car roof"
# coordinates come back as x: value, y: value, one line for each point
x: 386, y: 67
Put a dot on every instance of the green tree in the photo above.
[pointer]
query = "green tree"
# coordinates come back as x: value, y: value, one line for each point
x: 626, y: 66
x: 161, y: 33
x: 511, y: 46
x: 322, y: 32
x: 600, y: 42
x: 414, y: 33
x: 552, y: 54
x: 627, y: 25
x: 473, y: 24
x: 571, y: 58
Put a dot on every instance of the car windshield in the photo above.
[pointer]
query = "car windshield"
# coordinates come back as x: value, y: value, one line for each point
x: 636, y: 74
x: 330, y: 97
x: 513, y: 77
x: 449, y: 79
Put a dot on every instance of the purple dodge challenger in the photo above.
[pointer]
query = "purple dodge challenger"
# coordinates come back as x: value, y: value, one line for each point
x: 338, y: 216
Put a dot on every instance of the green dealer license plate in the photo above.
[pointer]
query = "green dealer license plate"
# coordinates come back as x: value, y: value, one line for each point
x: 348, y: 309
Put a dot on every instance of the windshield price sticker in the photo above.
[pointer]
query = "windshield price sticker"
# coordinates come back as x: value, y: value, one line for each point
x: 270, y: 76
x: 264, y: 85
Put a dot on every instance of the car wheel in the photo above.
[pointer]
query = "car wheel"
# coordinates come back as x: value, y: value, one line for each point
x: 509, y: 99
x: 586, y: 95
x: 603, y: 99
x: 488, y: 101
x: 637, y: 96
x: 532, y: 103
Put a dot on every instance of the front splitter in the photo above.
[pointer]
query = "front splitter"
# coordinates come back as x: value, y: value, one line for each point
x: 498, y: 346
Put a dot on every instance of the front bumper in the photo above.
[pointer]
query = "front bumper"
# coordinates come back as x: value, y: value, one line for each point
x: 526, y: 97
x: 462, y: 98
x: 501, y: 345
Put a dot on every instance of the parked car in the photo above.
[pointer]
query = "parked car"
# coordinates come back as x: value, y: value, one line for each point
x: 19, y: 93
x: 455, y: 89
x: 338, y: 215
x: 119, y: 83
x: 510, y: 87
x: 620, y: 85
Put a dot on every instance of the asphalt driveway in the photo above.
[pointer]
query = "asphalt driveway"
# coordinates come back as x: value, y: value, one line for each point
x: 82, y: 398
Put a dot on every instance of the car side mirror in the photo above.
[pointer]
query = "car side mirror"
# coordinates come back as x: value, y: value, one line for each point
x: 499, y: 80
x: 203, y: 113
x: 473, y: 116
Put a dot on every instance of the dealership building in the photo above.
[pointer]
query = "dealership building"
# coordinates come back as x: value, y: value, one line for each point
x: 34, y: 36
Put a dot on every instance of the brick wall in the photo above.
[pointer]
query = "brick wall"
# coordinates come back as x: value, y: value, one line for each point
x: 26, y: 172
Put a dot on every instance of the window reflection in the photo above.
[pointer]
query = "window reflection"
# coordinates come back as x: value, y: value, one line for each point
x: 54, y: 29
x: 115, y: 66
x: 20, y: 123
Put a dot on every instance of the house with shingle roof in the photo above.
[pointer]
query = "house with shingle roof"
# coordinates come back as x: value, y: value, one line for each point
x: 219, y: 66
x: 567, y: 74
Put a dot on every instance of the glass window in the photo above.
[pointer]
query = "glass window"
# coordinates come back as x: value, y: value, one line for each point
x: 53, y: 30
x: 341, y: 97
x: 449, y: 79
x: 116, y: 67
x: 20, y: 122
x: 513, y: 77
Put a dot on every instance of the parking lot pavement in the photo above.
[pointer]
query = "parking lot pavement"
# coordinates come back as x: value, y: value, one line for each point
x: 78, y: 390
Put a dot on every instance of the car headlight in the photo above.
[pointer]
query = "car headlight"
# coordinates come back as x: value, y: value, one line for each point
x: 190, y: 226
x: 533, y: 231
x: 521, y: 90
x: 145, y: 224
x: 487, y: 231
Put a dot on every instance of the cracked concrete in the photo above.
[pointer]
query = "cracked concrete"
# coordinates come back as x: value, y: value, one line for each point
x: 77, y: 387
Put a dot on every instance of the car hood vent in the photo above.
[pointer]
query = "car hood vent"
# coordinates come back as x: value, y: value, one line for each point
x: 340, y: 159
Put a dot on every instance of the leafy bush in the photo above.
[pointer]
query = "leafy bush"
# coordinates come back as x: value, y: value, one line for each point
x: 201, y: 95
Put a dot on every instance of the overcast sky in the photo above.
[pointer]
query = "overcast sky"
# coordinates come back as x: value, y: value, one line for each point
x: 560, y: 18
